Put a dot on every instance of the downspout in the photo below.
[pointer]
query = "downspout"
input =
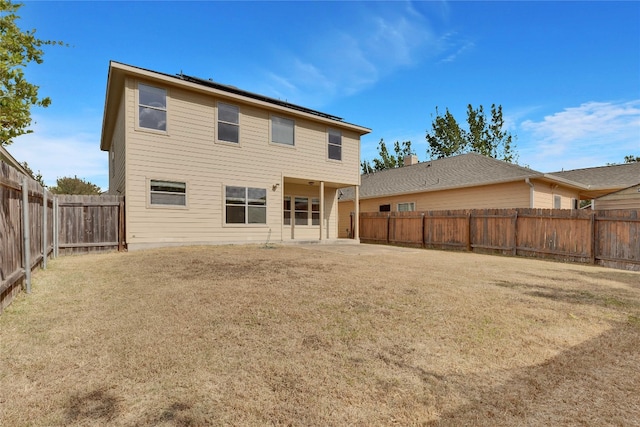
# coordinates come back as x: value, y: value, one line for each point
x: 531, y: 193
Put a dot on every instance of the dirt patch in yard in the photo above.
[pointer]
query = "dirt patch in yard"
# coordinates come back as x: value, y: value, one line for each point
x: 320, y: 335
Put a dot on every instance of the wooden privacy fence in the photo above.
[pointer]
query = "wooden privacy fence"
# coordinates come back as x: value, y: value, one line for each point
x: 89, y: 223
x: 608, y: 238
x: 35, y: 225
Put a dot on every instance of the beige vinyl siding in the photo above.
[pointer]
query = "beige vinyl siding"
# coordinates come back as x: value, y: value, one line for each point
x: 545, y: 192
x: 498, y: 196
x: 509, y: 195
x: 188, y: 153
x: 117, y: 179
x: 628, y: 198
x: 344, y: 218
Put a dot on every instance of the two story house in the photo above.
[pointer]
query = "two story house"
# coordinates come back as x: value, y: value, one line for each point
x: 204, y: 163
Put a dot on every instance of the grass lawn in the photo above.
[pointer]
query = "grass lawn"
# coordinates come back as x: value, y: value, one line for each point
x: 321, y: 335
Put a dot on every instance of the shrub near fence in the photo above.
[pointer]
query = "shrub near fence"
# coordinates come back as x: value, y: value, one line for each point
x: 608, y: 238
x: 68, y: 224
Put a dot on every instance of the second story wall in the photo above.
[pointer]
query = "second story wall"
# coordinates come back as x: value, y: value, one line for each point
x: 117, y: 153
x: 190, y: 141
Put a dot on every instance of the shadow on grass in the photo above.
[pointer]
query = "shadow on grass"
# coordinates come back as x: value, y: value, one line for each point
x: 175, y: 415
x: 620, y: 298
x: 594, y: 383
x: 97, y: 405
x: 622, y: 277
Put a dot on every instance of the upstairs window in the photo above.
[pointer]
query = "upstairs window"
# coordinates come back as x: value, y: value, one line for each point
x: 168, y: 193
x: 228, y: 123
x: 245, y: 205
x: 282, y: 131
x: 335, y: 144
x: 152, y: 107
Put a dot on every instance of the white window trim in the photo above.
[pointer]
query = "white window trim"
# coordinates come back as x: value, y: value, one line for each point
x: 224, y: 206
x: 160, y: 206
x: 329, y: 144
x: 412, y: 204
x: 217, y: 120
x: 137, y: 126
x: 279, y: 144
x: 291, y: 209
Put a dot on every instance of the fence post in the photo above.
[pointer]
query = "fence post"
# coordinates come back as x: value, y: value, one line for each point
x: 515, y: 233
x: 26, y: 240
x: 121, y: 226
x: 44, y: 228
x: 55, y: 226
x: 469, y: 232
x: 593, y: 232
x: 424, y: 245
x: 388, y: 228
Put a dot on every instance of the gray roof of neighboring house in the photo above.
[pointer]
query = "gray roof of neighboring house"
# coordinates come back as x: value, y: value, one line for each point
x: 603, y: 177
x: 466, y: 170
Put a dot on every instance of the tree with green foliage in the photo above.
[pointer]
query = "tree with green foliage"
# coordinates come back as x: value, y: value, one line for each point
x: 632, y: 159
x: 75, y: 185
x: 486, y: 137
x: 35, y: 176
x: 387, y: 160
x: 17, y: 49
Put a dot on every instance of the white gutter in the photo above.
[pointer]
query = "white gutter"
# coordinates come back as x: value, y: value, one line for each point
x: 531, y: 193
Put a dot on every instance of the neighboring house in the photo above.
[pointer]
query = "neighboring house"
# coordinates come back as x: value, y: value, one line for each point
x: 604, y: 179
x: 467, y: 181
x: 628, y: 198
x: 200, y: 162
x: 6, y: 157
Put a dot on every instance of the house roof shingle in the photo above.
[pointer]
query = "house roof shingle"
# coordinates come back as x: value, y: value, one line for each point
x: 466, y: 170
x: 604, y: 177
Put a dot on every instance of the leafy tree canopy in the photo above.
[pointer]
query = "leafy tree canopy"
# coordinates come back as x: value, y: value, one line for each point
x: 387, y: 160
x: 32, y: 174
x: 75, y: 185
x: 632, y: 159
x: 484, y: 135
x: 17, y: 49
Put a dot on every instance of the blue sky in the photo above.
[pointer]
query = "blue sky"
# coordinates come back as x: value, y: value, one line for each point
x: 567, y: 74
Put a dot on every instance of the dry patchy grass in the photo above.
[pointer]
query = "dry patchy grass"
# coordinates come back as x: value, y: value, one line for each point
x: 320, y: 335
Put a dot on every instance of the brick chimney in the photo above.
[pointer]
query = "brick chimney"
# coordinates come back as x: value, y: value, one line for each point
x: 411, y: 159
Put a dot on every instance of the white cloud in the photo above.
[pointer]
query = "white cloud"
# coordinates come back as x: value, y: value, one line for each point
x: 58, y: 149
x: 462, y: 48
x: 343, y: 61
x: 595, y: 133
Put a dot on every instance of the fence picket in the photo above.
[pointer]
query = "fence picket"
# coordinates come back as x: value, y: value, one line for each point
x: 75, y: 223
x: 608, y: 238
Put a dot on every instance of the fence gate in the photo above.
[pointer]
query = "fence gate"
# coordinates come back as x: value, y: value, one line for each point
x: 89, y: 224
